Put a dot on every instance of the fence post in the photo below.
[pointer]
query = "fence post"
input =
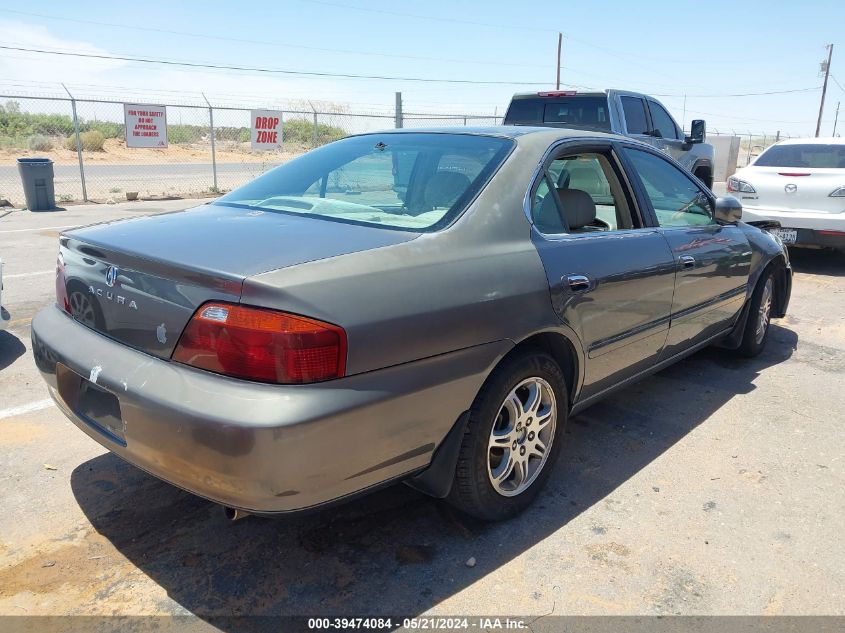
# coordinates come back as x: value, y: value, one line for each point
x: 748, y: 157
x: 213, y: 148
x: 314, y: 135
x: 399, y: 122
x: 78, y: 144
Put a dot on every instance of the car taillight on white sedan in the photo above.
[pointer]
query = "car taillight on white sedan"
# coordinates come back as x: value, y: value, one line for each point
x: 262, y: 345
x: 736, y: 185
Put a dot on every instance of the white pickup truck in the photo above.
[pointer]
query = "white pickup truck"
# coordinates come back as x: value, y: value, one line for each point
x: 619, y: 112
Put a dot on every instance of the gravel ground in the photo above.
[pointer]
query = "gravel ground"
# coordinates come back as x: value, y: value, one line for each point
x: 713, y: 487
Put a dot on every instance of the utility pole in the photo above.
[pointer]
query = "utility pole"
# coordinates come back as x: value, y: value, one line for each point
x: 836, y: 119
x: 559, y: 46
x: 824, y: 87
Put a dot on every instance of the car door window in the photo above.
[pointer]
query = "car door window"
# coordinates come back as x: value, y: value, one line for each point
x: 636, y: 121
x: 675, y: 198
x: 588, y: 197
x: 663, y: 124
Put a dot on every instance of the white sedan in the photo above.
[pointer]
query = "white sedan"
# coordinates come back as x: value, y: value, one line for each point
x: 4, y: 316
x: 799, y: 183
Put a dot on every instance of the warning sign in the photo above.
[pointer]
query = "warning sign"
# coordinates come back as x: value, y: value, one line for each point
x: 146, y: 125
x: 266, y: 129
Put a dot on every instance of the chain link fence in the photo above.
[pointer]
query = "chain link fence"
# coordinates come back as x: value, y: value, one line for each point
x: 209, y: 149
x: 208, y: 152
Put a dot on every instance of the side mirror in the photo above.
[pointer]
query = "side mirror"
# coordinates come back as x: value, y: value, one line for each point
x: 728, y: 210
x: 698, y: 131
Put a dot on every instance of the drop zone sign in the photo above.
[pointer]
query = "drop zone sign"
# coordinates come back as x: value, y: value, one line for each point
x: 146, y: 125
x: 266, y: 129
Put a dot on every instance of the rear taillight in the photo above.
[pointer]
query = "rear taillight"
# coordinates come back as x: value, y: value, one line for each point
x: 61, y: 287
x: 263, y: 345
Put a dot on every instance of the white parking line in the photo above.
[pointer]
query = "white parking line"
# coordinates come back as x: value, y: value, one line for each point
x: 41, y: 228
x: 26, y: 408
x: 19, y: 275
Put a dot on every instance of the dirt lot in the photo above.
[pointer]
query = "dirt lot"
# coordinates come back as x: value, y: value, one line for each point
x: 713, y: 487
x: 115, y: 152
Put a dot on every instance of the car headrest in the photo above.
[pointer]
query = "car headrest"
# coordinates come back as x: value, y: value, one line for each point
x: 548, y: 218
x: 444, y: 188
x: 578, y: 207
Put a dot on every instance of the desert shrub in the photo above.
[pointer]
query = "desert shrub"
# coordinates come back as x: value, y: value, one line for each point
x: 91, y: 141
x: 106, y: 128
x: 181, y: 134
x: 301, y: 131
x: 14, y: 123
x: 40, y: 143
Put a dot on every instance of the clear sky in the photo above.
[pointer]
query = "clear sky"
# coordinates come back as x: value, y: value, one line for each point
x: 705, y: 50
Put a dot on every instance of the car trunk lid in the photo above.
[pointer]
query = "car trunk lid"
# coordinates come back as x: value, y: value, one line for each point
x: 139, y: 281
x: 794, y: 189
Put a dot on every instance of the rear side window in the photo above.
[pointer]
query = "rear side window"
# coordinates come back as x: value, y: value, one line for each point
x: 815, y: 155
x: 588, y: 197
x: 635, y: 118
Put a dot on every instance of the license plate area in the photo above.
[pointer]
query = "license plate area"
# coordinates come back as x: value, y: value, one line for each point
x: 787, y: 236
x: 97, y: 407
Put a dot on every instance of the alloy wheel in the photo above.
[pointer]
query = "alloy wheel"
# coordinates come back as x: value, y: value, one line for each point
x: 765, y: 312
x: 521, y: 437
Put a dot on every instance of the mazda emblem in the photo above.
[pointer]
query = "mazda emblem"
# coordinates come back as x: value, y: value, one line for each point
x: 790, y: 188
x: 111, y: 276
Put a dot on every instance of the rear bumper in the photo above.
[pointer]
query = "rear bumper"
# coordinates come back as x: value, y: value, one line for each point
x: 814, y: 228
x: 265, y: 448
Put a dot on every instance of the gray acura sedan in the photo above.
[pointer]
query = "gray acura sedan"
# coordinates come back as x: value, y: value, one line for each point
x: 427, y: 306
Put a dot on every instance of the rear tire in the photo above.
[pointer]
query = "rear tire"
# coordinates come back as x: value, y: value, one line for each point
x: 512, y: 437
x: 756, y: 331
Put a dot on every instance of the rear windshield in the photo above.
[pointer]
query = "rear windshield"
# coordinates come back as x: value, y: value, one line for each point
x: 416, y: 182
x: 810, y: 155
x: 576, y: 111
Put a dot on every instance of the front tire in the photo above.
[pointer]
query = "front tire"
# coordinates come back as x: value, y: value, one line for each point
x: 512, y: 437
x: 756, y: 331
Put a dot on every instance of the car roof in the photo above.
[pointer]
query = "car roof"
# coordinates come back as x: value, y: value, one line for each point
x: 507, y: 131
x: 836, y: 140
x: 575, y: 93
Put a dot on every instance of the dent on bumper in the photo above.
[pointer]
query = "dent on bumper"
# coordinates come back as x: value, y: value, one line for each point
x: 259, y: 447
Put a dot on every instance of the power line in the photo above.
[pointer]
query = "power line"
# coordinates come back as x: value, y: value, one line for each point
x: 262, y: 42
x: 147, y: 60
x: 742, y: 94
x: 434, y: 18
x: 257, y: 69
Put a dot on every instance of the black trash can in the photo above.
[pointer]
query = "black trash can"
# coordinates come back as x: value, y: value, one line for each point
x: 38, y: 187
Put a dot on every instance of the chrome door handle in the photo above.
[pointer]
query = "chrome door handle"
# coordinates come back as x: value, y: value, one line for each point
x: 687, y: 261
x: 578, y: 283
